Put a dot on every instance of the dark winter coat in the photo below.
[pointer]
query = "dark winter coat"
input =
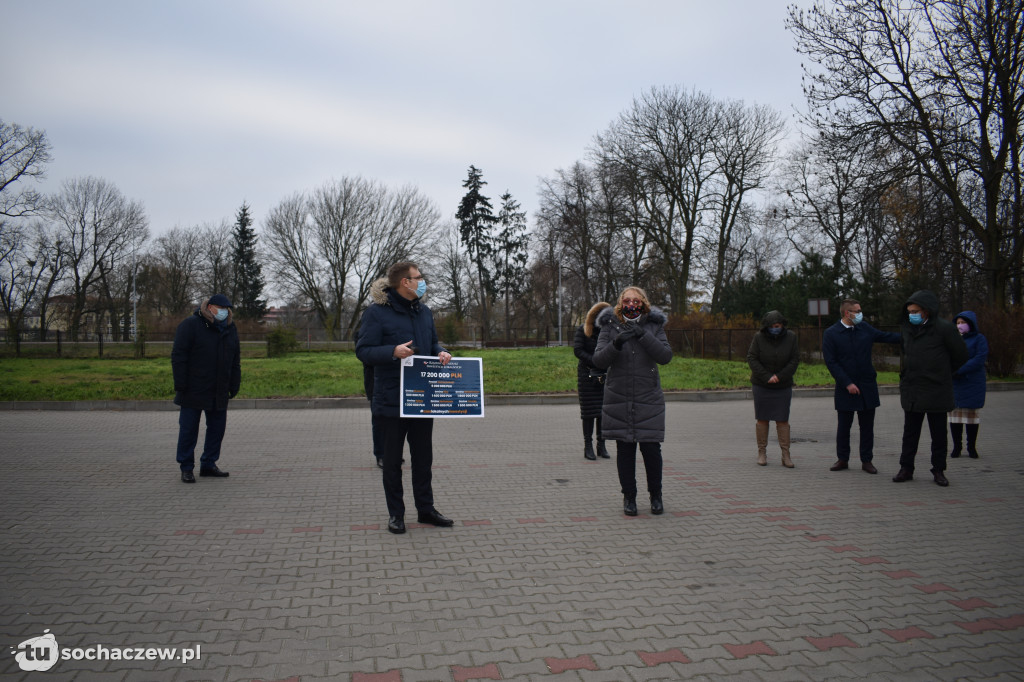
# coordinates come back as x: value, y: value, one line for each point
x: 634, y: 404
x: 589, y: 388
x: 771, y: 354
x: 969, y: 380
x: 206, y: 361
x: 391, y: 320
x: 847, y: 352
x: 932, y: 351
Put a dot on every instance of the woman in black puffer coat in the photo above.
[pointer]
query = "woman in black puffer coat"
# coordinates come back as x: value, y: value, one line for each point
x: 631, y: 345
x: 590, y: 381
x: 773, y: 357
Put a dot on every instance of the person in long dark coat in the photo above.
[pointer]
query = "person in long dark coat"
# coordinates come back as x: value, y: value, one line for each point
x: 932, y: 351
x: 207, y: 370
x: 846, y: 347
x: 590, y: 381
x: 773, y: 357
x: 631, y: 345
x: 968, y: 386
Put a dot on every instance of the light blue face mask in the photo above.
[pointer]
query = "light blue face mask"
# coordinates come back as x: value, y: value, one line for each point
x: 222, y: 314
x: 858, y: 318
x: 775, y: 331
x: 421, y: 288
x: 915, y: 318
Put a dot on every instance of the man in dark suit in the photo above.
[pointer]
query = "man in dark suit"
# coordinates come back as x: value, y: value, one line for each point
x: 847, y: 350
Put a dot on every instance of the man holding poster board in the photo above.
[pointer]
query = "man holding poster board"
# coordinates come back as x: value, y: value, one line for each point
x: 396, y: 326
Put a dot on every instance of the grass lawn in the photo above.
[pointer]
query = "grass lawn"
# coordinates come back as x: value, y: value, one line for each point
x: 308, y: 375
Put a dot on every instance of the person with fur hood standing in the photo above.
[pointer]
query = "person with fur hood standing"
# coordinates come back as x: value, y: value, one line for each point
x: 590, y: 381
x: 773, y: 357
x: 932, y: 352
x: 968, y: 386
x: 398, y: 325
x: 207, y: 370
x: 630, y: 346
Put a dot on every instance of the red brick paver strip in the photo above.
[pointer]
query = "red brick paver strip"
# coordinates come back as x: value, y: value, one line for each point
x: 752, y: 649
x: 389, y: 676
x: 913, y: 632
x: 560, y: 665
x: 482, y: 672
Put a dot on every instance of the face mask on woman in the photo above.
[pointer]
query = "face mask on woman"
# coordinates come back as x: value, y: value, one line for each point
x: 963, y: 327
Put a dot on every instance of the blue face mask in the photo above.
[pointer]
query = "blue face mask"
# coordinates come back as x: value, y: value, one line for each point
x: 915, y: 318
x: 858, y: 318
x: 222, y: 314
x: 775, y: 330
x: 421, y: 288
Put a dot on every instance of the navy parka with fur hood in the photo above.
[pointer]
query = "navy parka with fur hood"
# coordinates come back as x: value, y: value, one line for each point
x: 634, y: 404
x: 392, y: 320
x: 969, y: 380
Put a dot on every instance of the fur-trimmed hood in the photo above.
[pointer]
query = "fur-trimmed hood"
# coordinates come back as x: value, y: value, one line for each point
x: 379, y: 292
x: 655, y: 316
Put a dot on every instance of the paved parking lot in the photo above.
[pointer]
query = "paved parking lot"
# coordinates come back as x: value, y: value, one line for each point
x: 285, y: 571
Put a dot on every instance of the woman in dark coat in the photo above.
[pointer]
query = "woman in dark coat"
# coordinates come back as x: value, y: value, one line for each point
x: 968, y: 386
x: 590, y: 381
x: 773, y: 358
x: 631, y: 345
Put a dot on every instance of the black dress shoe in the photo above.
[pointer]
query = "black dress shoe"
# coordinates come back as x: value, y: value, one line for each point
x: 973, y: 454
x: 904, y: 474
x: 396, y: 525
x: 940, y: 479
x: 434, y: 518
x: 840, y: 465
x: 656, y: 505
x: 188, y: 476
x: 869, y: 467
x: 629, y: 506
x: 214, y: 472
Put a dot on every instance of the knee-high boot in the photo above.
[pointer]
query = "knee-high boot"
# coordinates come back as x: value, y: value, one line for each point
x: 956, y: 434
x: 762, y: 443
x: 782, y: 430
x: 972, y: 440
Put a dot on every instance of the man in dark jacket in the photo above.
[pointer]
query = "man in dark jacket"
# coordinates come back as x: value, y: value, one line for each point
x: 205, y: 362
x: 398, y: 325
x: 932, y: 351
x: 847, y: 350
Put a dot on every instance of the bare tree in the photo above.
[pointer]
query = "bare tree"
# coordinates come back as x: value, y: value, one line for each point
x: 24, y: 153
x: 180, y: 254
x: 942, y: 81
x: 97, y: 227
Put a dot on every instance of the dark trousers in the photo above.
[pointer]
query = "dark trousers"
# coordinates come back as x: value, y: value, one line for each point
x: 912, y: 423
x: 419, y: 432
x: 866, y: 421
x: 188, y: 435
x: 625, y: 461
x: 378, y: 437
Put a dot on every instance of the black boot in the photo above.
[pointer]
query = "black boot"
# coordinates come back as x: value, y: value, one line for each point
x: 588, y: 450
x: 656, y: 506
x: 602, y: 451
x: 956, y: 432
x: 629, y: 505
x: 972, y: 440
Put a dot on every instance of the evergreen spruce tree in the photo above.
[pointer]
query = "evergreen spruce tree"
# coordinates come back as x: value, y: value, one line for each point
x: 476, y: 218
x: 247, y: 273
x: 510, y: 253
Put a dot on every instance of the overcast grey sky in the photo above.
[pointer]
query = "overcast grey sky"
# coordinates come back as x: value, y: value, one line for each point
x: 192, y: 106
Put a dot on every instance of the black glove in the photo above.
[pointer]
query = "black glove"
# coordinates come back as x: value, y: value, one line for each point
x: 623, y: 336
x: 640, y: 332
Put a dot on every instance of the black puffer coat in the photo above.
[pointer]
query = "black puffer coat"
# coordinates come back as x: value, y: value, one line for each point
x: 205, y: 361
x: 591, y: 391
x: 931, y: 353
x: 392, y: 320
x: 634, y: 404
x: 773, y: 354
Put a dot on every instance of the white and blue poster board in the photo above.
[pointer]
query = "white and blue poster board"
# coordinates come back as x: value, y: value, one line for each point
x: 430, y: 389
